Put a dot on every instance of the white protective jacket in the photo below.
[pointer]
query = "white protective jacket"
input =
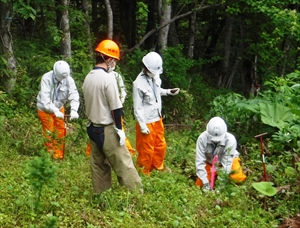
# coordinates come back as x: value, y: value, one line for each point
x: 147, y: 99
x: 204, y: 149
x: 54, y: 94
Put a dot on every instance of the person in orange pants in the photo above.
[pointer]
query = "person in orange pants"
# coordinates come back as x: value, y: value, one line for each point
x: 56, y: 88
x: 150, y: 140
x: 122, y: 93
x: 216, y: 141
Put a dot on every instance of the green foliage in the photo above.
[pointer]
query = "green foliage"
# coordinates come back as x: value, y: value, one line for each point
x: 66, y: 198
x: 141, y: 18
x: 132, y: 65
x: 239, y: 114
x: 265, y: 188
x: 276, y: 107
x: 275, y: 115
x: 41, y: 172
x: 26, y: 11
x: 176, y: 68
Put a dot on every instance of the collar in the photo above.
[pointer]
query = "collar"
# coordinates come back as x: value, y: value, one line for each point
x: 99, y: 68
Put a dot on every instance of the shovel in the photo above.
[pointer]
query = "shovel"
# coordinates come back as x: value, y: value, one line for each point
x: 65, y: 134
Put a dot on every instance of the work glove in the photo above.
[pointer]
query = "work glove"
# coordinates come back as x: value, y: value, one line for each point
x: 121, y: 135
x: 206, y: 187
x: 145, y: 131
x: 74, y: 115
x: 173, y: 91
x: 59, y: 114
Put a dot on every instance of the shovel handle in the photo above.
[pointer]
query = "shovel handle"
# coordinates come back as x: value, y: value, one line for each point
x: 213, y: 172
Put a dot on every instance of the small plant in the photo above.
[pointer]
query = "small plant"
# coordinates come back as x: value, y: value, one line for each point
x: 265, y: 188
x: 41, y: 173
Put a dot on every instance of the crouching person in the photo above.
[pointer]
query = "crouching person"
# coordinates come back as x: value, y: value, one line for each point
x: 217, y: 144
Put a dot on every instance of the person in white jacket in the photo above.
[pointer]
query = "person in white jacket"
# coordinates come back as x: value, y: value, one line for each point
x: 216, y: 141
x: 147, y: 92
x: 56, y: 88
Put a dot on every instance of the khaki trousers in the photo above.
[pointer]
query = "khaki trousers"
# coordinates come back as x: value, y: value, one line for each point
x: 108, y: 155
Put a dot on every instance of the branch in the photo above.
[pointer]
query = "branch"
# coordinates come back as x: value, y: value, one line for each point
x: 165, y: 24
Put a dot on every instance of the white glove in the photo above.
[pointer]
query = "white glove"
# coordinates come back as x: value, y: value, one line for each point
x: 145, y: 131
x: 173, y: 91
x: 121, y: 135
x: 59, y: 114
x: 206, y: 187
x: 74, y: 115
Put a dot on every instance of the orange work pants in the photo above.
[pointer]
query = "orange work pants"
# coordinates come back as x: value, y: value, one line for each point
x: 151, y: 148
x: 54, y: 131
x: 237, y: 173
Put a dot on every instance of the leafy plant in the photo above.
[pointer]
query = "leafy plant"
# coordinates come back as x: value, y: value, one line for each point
x: 265, y: 188
x: 41, y: 172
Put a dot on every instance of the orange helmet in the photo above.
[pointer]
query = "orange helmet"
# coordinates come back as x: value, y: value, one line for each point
x: 109, y: 48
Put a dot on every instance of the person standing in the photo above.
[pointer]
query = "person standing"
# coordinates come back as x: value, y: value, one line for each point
x: 217, y: 143
x: 56, y: 88
x: 103, y: 109
x: 150, y: 140
x: 123, y: 93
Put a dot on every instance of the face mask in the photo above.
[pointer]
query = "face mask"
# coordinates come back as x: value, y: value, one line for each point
x: 61, y: 77
x: 151, y: 75
x: 110, y: 68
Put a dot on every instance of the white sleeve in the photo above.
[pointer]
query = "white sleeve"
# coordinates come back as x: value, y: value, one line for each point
x: 45, y: 97
x: 139, y: 112
x: 73, y: 94
x: 122, y: 88
x: 164, y: 92
x: 200, y: 159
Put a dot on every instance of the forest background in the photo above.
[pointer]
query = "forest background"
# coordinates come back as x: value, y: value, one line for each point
x: 235, y: 59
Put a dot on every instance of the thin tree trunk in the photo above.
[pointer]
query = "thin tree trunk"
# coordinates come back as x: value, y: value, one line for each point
x: 178, y: 17
x: 151, y: 24
x: 192, y: 32
x: 227, y: 50
x: 7, y: 46
x: 286, y: 48
x: 229, y: 81
x: 110, y: 19
x: 85, y: 8
x: 173, y: 36
x: 65, y: 43
x: 165, y: 10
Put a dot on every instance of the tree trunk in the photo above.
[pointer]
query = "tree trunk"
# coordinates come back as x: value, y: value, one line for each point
x: 150, y: 43
x: 7, y: 46
x: 85, y: 8
x: 173, y: 36
x: 192, y: 31
x: 164, y: 9
x: 65, y: 43
x: 126, y: 24
x: 227, y: 50
x: 110, y: 19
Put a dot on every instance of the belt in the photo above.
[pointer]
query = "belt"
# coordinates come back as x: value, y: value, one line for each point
x: 100, y: 125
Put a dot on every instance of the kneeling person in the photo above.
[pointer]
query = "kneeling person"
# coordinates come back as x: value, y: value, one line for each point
x: 216, y: 141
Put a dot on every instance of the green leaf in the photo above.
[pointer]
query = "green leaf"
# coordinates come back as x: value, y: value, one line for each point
x: 265, y: 188
x: 275, y: 115
x: 290, y: 171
